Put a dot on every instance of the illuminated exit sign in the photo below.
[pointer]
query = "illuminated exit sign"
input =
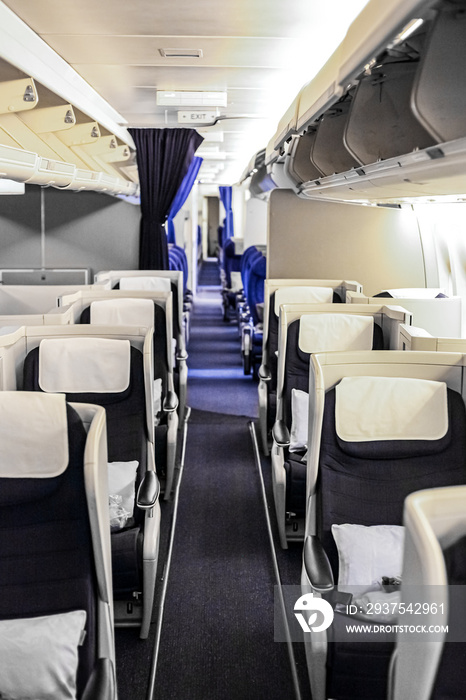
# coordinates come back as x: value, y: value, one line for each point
x: 191, y: 116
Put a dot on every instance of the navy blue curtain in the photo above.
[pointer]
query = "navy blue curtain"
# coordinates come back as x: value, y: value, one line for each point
x: 163, y: 156
x: 225, y: 196
x: 181, y: 196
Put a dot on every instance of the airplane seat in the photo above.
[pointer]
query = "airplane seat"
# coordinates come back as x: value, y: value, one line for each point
x: 268, y: 369
x: 434, y: 569
x: 54, y: 550
x: 178, y: 260
x: 381, y: 438
x: 180, y: 356
x: 110, y: 373
x: 252, y: 332
x: 311, y: 332
x: 147, y: 313
x: 246, y: 261
x: 231, y: 264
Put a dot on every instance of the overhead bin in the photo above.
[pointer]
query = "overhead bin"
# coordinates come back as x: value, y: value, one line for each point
x: 439, y: 95
x: 53, y: 172
x: 329, y: 154
x: 298, y: 165
x: 385, y: 118
x: 287, y: 125
x: 17, y: 164
x: 381, y: 123
x: 318, y: 95
x: 17, y: 95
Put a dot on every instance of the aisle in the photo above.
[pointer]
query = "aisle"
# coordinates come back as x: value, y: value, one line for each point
x: 217, y: 636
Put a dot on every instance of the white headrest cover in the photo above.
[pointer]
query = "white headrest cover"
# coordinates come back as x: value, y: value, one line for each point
x: 84, y: 365
x: 33, y: 434
x: 127, y: 312
x: 390, y: 408
x: 153, y: 284
x: 302, y: 295
x: 415, y: 293
x: 328, y: 332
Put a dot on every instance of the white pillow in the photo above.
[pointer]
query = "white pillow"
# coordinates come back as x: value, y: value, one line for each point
x: 121, y: 480
x: 299, y: 420
x: 39, y: 656
x: 365, y: 554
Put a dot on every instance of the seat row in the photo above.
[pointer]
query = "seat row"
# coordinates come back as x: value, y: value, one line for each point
x: 243, y: 277
x: 358, y: 426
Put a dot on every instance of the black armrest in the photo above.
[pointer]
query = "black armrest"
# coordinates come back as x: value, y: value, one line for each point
x: 101, y: 684
x: 317, y: 565
x: 281, y: 434
x: 148, y: 491
x: 264, y: 373
x: 170, y: 402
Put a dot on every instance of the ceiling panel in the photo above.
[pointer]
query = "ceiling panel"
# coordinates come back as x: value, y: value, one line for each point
x: 260, y: 51
x: 144, y: 50
x: 261, y: 18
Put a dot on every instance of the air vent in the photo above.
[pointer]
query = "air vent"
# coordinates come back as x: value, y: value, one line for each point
x: 181, y: 53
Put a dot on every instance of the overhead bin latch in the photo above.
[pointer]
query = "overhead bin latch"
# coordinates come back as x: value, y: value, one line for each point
x: 29, y: 95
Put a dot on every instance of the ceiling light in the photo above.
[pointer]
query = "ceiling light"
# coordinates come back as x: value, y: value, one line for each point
x: 181, y: 53
x: 185, y: 98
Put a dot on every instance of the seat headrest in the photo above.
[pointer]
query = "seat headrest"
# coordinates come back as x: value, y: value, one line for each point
x: 153, y: 284
x: 382, y: 409
x: 415, y: 293
x: 84, y: 365
x: 128, y: 312
x: 302, y: 295
x: 33, y: 435
x: 329, y: 332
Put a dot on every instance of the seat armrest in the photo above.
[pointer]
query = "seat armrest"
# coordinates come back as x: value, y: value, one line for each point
x: 317, y: 565
x: 101, y: 684
x: 264, y: 373
x: 148, y: 491
x: 281, y: 434
x: 170, y: 402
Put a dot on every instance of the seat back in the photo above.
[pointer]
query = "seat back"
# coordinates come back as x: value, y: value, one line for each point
x: 297, y: 294
x: 179, y: 261
x: 312, y: 333
x: 434, y: 570
x: 102, y: 371
x: 141, y: 312
x: 231, y: 261
x: 383, y: 438
x: 48, y: 564
x: 255, y: 285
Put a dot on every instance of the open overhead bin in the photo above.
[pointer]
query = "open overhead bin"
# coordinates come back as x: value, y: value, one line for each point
x: 385, y: 119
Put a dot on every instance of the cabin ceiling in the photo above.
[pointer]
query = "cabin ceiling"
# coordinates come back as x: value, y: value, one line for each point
x: 260, y: 52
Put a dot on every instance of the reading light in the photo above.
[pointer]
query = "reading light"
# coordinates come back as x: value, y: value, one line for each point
x: 69, y: 119
x: 95, y: 133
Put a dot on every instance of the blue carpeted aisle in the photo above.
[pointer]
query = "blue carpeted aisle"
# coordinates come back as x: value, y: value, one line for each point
x: 217, y: 635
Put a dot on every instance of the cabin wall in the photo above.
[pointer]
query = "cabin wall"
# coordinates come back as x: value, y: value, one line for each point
x: 378, y: 246
x: 255, y: 232
x: 82, y: 229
